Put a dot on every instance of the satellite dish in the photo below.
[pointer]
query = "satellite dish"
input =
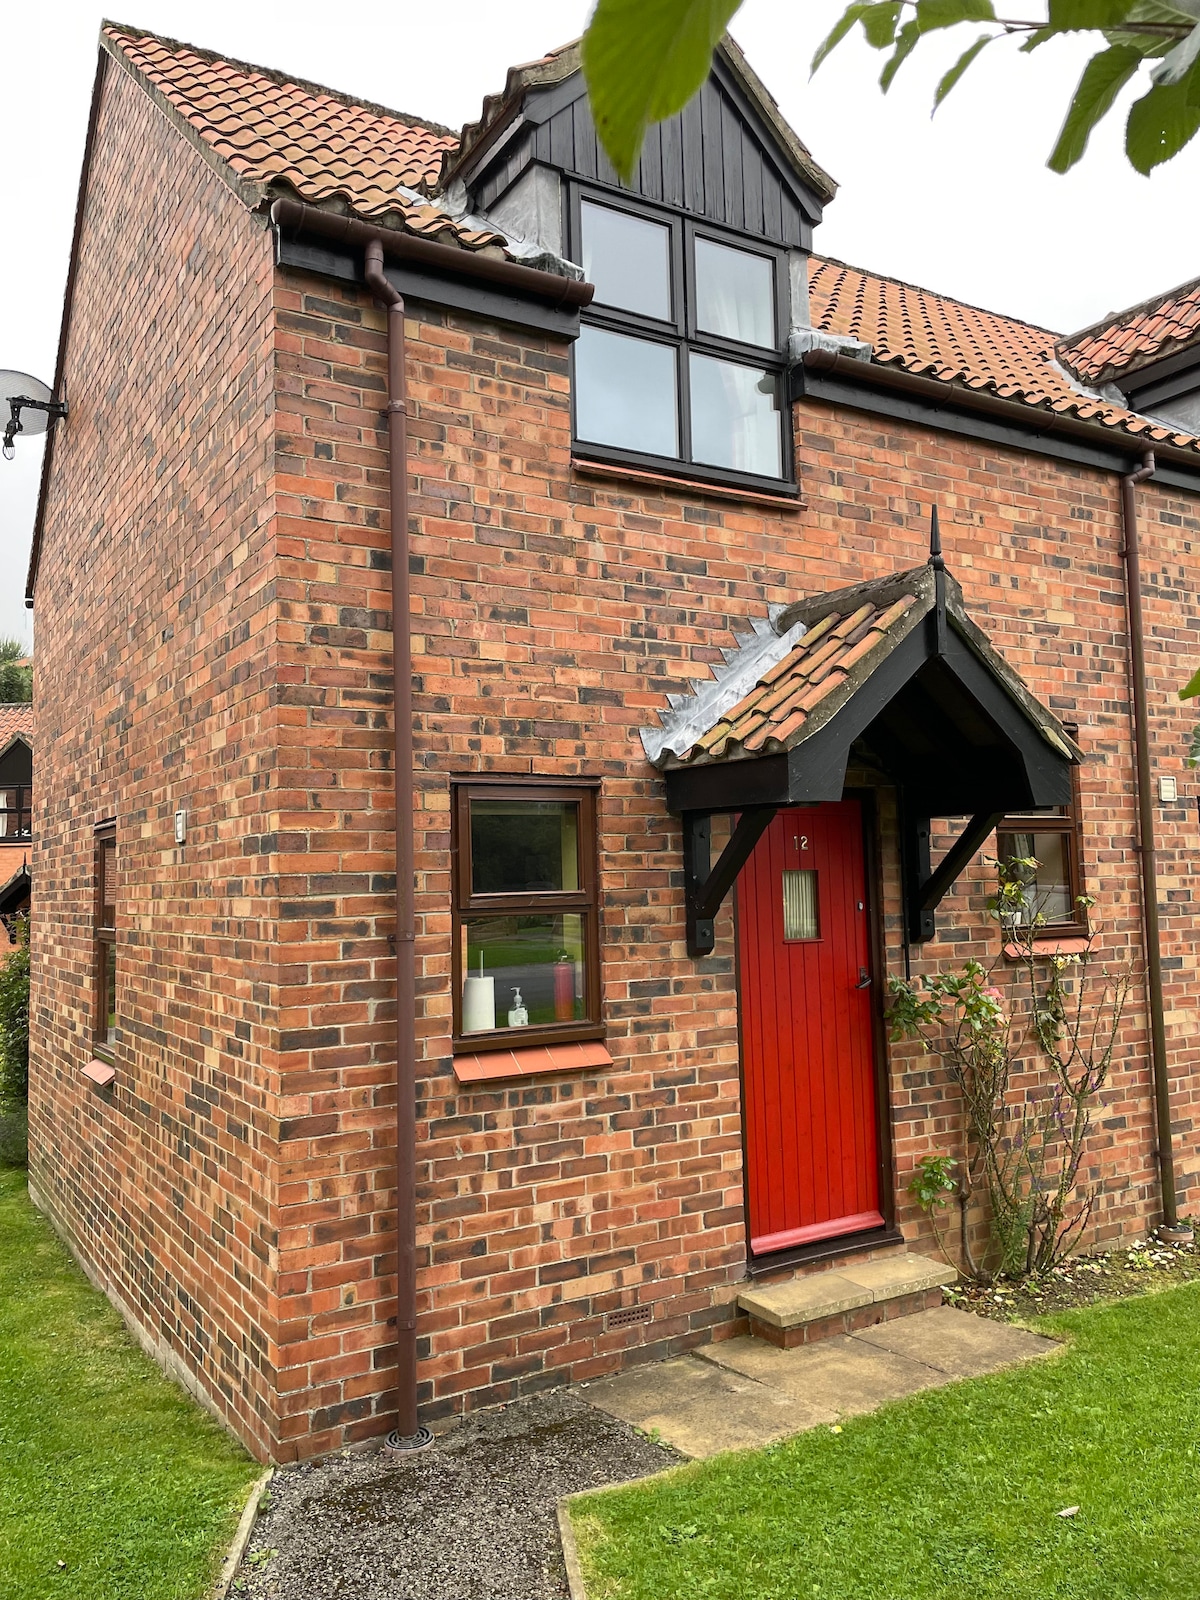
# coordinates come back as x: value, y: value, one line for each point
x: 19, y: 385
x: 30, y: 404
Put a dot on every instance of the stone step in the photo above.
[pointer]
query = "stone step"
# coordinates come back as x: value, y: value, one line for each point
x: 823, y: 1304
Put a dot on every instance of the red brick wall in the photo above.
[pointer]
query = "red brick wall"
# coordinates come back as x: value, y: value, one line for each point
x: 155, y: 692
x: 552, y: 615
x: 214, y: 632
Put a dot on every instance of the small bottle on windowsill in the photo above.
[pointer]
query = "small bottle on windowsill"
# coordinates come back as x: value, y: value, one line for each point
x: 518, y: 1016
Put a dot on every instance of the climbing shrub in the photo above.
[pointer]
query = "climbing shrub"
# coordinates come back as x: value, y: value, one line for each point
x: 14, y: 1047
x: 1023, y: 1150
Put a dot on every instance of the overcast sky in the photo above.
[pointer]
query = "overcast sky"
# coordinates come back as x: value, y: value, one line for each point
x: 962, y: 203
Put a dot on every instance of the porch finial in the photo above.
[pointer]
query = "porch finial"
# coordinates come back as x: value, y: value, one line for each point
x: 935, y: 543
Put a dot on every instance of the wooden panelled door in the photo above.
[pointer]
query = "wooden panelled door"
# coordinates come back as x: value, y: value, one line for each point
x: 808, y: 1064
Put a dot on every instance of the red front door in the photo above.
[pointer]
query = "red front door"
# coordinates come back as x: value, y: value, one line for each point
x: 807, y: 1046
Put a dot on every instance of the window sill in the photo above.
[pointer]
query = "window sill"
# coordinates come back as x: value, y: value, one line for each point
x: 99, y: 1072
x: 1069, y: 944
x: 490, y: 1065
x: 697, y: 488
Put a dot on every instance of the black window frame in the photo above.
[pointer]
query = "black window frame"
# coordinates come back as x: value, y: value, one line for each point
x: 22, y: 810
x: 583, y: 902
x: 681, y: 334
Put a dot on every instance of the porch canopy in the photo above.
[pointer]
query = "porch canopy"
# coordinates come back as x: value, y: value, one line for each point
x: 893, y: 671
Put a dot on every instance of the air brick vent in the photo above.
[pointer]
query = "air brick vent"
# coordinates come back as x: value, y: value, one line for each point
x: 627, y: 1317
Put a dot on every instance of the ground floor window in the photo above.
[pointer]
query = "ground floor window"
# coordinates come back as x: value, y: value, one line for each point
x: 1053, y: 887
x: 526, y: 923
x: 105, y: 1031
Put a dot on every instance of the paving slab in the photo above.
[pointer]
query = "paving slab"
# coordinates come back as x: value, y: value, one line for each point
x: 699, y: 1409
x: 892, y: 1276
x: 957, y: 1343
x: 839, y: 1377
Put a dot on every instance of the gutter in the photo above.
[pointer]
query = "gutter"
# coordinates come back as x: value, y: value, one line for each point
x: 949, y: 397
x: 1146, y: 847
x: 295, y: 217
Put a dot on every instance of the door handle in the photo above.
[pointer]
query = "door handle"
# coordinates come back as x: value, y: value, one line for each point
x: 864, y: 979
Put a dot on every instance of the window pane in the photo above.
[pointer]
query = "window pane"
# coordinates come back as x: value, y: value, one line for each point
x: 524, y: 846
x: 629, y: 261
x: 108, y: 993
x: 735, y: 294
x: 735, y: 422
x: 625, y: 392
x: 522, y: 972
x: 800, y: 920
x: 1048, y: 885
x: 108, y: 884
x: 8, y: 808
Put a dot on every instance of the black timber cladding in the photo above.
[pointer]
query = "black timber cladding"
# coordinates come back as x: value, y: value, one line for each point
x: 714, y: 159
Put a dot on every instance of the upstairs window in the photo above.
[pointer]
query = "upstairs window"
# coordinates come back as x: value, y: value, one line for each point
x: 680, y: 355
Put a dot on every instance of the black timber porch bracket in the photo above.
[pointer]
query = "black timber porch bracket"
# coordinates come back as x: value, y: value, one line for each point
x: 705, y: 884
x: 925, y: 889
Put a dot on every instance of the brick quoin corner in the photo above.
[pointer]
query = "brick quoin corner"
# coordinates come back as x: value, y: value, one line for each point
x: 214, y: 635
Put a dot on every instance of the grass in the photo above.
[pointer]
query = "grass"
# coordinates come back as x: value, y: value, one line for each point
x: 952, y: 1494
x: 113, y: 1485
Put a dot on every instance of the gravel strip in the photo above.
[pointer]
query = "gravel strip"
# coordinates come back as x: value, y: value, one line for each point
x: 471, y: 1518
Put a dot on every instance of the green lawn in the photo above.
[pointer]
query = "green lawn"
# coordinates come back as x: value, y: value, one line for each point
x: 113, y: 1484
x: 953, y: 1493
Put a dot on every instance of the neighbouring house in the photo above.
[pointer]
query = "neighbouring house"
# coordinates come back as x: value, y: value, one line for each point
x: 16, y: 815
x: 707, y: 738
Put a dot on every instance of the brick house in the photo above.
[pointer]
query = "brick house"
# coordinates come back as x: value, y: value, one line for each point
x: 661, y: 486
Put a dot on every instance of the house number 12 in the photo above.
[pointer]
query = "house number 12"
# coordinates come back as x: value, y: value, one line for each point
x: 800, y: 840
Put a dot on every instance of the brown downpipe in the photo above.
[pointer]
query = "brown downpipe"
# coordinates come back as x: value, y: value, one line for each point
x: 1147, y: 857
x: 406, y: 927
x: 558, y: 291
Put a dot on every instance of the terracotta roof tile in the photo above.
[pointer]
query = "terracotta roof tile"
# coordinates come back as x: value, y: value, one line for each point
x: 944, y: 338
x: 271, y: 130
x: 15, y: 719
x: 787, y: 694
x: 1136, y: 337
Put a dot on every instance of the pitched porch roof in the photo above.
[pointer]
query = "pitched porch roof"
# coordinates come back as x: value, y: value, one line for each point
x: 896, y: 662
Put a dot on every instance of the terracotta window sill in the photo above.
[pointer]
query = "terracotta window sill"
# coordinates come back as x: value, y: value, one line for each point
x: 493, y: 1064
x: 101, y: 1073
x: 693, y: 488
x: 1074, y: 946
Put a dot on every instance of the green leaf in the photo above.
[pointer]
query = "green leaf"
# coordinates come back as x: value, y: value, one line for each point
x: 906, y: 42
x: 1162, y: 122
x: 1192, y: 689
x: 960, y: 66
x: 934, y: 14
x: 1104, y: 77
x: 1193, y: 755
x: 879, y: 23
x: 644, y: 62
x: 838, y: 32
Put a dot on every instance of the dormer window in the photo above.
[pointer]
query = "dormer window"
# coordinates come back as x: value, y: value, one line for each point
x: 680, y: 356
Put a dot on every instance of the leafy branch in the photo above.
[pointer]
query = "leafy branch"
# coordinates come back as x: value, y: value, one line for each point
x: 645, y: 59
